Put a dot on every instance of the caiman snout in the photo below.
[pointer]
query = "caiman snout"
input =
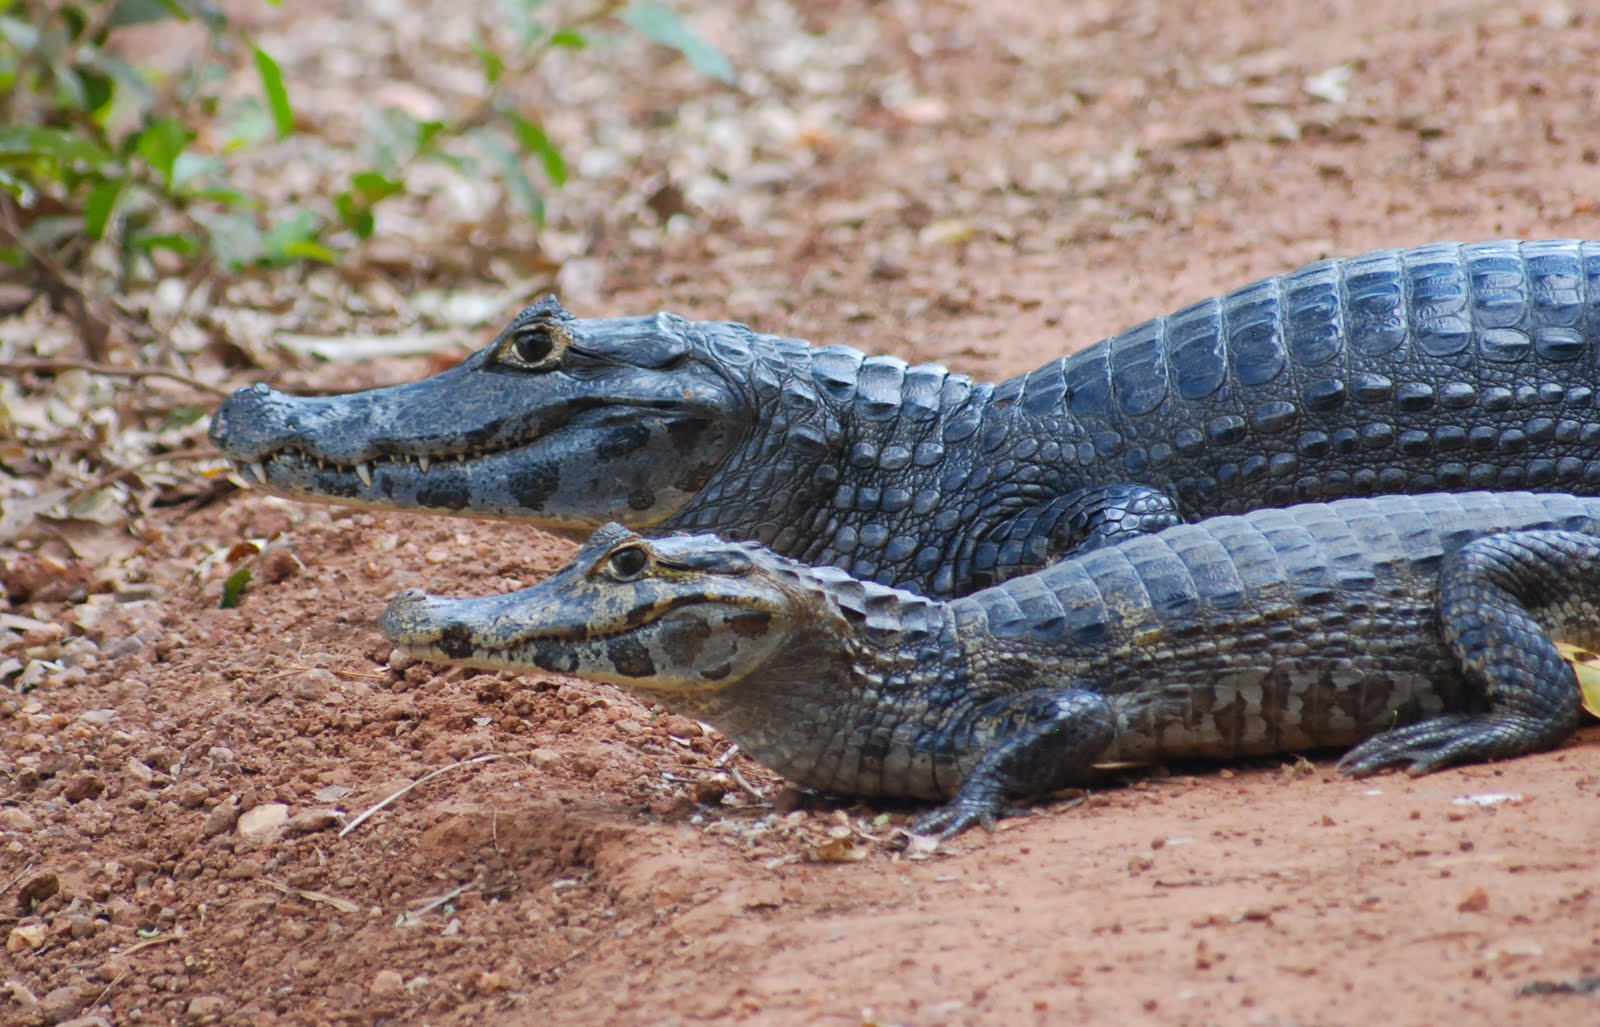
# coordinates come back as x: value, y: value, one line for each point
x: 243, y: 409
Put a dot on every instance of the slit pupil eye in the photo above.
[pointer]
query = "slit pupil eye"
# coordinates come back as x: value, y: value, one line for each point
x: 534, y: 345
x: 628, y: 562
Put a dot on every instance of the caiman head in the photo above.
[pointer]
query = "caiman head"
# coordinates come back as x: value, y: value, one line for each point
x: 684, y: 615
x: 686, y: 620
x: 561, y: 421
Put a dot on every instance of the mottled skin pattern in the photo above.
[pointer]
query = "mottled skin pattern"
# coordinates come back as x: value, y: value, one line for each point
x: 1443, y: 368
x: 1419, y: 627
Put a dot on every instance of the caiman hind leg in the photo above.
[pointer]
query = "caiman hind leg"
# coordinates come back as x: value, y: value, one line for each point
x: 1494, y: 594
x: 1029, y: 743
x: 1077, y: 522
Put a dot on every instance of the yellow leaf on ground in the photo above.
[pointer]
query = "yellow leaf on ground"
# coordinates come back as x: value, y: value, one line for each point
x: 1587, y: 666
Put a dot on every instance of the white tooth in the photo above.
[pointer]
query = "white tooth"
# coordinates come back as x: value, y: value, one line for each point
x: 422, y: 462
x: 259, y: 470
x: 364, y: 472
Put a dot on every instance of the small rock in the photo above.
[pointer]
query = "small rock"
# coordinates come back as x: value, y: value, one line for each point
x: 139, y: 771
x: 1475, y: 901
x: 787, y: 799
x: 98, y: 717
x: 222, y: 818
x: 85, y: 1021
x: 545, y: 757
x: 112, y: 968
x: 278, y: 564
x: 630, y: 726
x: 387, y: 984
x: 263, y: 822
x: 206, y: 1009
x: 64, y: 1003
x: 312, y: 821
x: 398, y: 660
x: 25, y: 938
x: 190, y: 794
x: 36, y: 889
x: 13, y: 819
x: 123, y: 647
x: 681, y: 727
x: 84, y: 786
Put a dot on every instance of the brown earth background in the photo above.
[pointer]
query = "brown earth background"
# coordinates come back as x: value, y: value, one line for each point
x: 986, y: 185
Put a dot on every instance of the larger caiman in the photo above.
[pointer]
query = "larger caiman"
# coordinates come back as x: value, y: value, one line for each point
x: 1444, y: 368
x: 1418, y: 626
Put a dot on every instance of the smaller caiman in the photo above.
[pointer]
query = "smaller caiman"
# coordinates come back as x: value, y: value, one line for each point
x: 1420, y: 627
x: 1443, y: 368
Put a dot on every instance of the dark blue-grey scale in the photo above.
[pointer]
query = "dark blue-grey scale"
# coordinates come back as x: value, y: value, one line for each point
x: 1442, y: 367
x: 1445, y: 367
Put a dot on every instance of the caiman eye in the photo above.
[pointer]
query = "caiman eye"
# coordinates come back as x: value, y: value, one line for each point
x: 628, y: 564
x: 534, y: 347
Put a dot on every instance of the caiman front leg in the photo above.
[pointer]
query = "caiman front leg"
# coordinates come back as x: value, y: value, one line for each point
x: 1073, y: 523
x: 1028, y: 743
x: 1493, y: 595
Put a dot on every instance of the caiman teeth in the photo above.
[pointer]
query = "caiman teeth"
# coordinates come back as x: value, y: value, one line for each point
x: 422, y: 462
x: 364, y: 472
x: 259, y: 469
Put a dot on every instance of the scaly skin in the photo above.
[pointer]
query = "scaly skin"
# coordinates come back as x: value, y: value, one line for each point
x: 1420, y: 627
x: 1444, y: 368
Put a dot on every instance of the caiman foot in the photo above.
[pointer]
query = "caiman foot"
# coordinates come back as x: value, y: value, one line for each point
x: 1487, y: 592
x: 1441, y: 742
x: 966, y: 811
x: 1030, y: 743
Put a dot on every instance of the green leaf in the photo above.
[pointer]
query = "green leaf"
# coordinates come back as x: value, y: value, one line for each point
x: 141, y: 12
x: 524, y: 26
x: 97, y: 210
x: 427, y: 132
x: 19, y: 34
x: 182, y: 245
x: 97, y: 88
x: 192, y: 167
x: 494, y: 66
x: 162, y: 144
x: 54, y: 143
x: 662, y: 25
x: 273, y: 89
x: 294, y: 238
x: 233, y: 587
x: 533, y: 139
x: 251, y: 125
x: 509, y: 161
x: 310, y: 249
x: 374, y: 185
x: 185, y: 414
x: 569, y: 39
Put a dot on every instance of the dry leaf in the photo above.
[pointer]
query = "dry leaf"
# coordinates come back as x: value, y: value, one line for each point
x: 845, y: 849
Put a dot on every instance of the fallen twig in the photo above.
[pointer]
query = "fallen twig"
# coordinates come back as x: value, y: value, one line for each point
x: 342, y: 905
x: 411, y: 916
x: 117, y: 475
x: 19, y: 876
x: 424, y: 779
x: 16, y: 366
x: 748, y: 788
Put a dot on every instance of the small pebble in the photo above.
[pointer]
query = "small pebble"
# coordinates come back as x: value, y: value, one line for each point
x: 222, y: 818
x: 84, y: 786
x: 206, y: 1009
x: 387, y: 984
x: 263, y: 822
x: 312, y: 821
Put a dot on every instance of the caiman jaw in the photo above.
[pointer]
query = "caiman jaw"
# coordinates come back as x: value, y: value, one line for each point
x: 663, y: 629
x: 568, y: 446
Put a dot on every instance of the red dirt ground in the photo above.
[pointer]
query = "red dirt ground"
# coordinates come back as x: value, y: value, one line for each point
x: 1017, y: 180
